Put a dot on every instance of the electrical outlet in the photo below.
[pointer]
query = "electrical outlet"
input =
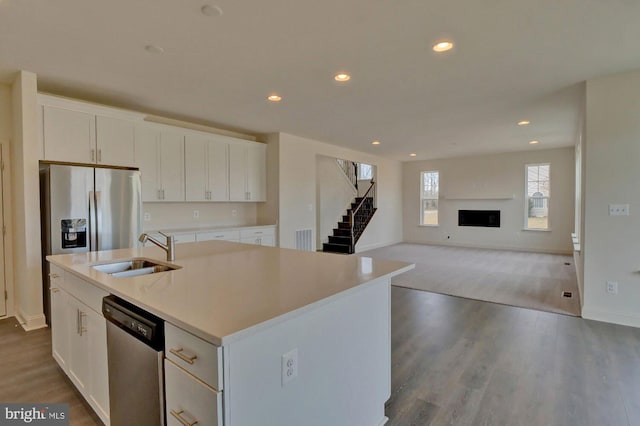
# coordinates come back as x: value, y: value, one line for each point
x: 289, y: 366
x: 147, y: 217
x: 618, y: 209
x: 234, y: 213
x: 196, y: 214
x: 612, y: 287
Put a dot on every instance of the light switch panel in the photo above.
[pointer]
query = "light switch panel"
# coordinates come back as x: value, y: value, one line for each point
x: 618, y: 209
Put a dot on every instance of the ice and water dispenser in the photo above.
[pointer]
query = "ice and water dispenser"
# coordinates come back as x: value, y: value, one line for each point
x: 74, y: 233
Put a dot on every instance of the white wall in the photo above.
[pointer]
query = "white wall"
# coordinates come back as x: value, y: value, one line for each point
x: 334, y: 195
x: 498, y: 175
x: 611, y: 244
x: 26, y: 152
x: 180, y: 215
x: 297, y: 191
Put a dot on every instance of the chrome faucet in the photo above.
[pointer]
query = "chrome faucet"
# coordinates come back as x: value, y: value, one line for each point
x: 169, y: 247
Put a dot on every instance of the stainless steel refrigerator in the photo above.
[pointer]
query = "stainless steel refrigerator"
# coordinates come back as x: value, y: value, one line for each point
x: 87, y: 209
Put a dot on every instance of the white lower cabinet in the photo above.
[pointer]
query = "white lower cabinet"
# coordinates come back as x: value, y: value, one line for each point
x: 79, y: 342
x: 188, y: 400
x: 264, y: 236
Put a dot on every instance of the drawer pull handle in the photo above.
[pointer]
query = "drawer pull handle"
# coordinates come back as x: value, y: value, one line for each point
x: 54, y: 276
x: 179, y: 353
x: 54, y: 290
x: 178, y: 415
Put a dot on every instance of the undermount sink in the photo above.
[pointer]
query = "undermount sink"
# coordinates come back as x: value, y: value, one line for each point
x: 133, y: 267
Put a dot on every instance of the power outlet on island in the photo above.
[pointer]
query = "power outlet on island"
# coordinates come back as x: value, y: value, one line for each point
x: 618, y: 209
x: 289, y: 366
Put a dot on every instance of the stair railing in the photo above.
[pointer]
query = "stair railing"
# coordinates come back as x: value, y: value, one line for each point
x: 355, y: 211
x: 350, y: 170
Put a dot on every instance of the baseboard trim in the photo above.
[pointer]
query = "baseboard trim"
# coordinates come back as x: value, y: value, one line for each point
x: 610, y: 317
x: 384, y: 421
x: 509, y: 248
x: 32, y: 322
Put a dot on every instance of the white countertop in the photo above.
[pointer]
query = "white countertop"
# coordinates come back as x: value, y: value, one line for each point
x: 207, y: 228
x: 225, y: 290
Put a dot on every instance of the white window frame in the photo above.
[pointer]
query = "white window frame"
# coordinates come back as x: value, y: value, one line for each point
x: 527, y: 197
x: 360, y: 168
x: 423, y: 198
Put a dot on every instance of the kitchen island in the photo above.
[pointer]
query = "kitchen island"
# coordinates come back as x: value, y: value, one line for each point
x: 255, y: 307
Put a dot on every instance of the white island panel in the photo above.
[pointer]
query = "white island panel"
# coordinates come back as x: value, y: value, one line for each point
x: 344, y: 350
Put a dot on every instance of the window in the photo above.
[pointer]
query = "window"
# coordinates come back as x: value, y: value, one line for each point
x: 365, y: 171
x: 430, y: 188
x: 537, y: 199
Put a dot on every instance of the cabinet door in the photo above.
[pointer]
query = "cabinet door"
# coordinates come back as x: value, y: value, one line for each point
x: 237, y: 172
x: 268, y: 240
x: 196, y: 168
x: 60, y: 329
x: 115, y: 141
x: 189, y: 401
x: 69, y: 135
x: 147, y: 160
x: 256, y: 172
x: 218, y: 171
x: 78, y: 345
x: 97, y: 354
x: 172, y: 166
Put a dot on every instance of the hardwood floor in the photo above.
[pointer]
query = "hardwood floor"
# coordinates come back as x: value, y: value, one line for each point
x: 454, y: 361
x: 465, y: 362
x: 28, y: 373
x: 528, y: 280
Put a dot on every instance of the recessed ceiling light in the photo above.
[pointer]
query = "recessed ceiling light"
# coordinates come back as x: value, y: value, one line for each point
x: 275, y: 98
x: 443, y: 46
x: 534, y: 142
x: 343, y: 76
x: 375, y: 143
x: 152, y: 48
x: 413, y: 154
x: 210, y: 10
x: 524, y: 123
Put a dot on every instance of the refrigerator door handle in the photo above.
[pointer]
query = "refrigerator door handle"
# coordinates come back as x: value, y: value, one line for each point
x: 93, y: 246
x: 99, y: 208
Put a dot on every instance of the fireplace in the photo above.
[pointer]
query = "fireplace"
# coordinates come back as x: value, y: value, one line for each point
x: 485, y: 218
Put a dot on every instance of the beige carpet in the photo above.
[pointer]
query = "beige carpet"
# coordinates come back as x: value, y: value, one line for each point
x: 528, y: 280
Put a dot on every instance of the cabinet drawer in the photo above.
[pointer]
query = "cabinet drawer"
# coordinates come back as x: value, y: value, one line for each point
x: 198, y: 357
x: 190, y: 400
x: 84, y: 291
x: 256, y: 232
x: 56, y: 276
x: 219, y: 235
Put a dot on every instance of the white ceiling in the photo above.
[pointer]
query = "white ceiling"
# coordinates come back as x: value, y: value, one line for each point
x: 513, y: 60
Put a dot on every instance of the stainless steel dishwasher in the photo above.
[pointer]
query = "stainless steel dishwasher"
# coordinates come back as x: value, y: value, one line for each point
x: 135, y: 347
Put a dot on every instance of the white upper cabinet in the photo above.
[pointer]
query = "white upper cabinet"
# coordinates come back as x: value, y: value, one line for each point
x: 77, y: 132
x: 206, y: 168
x: 247, y: 171
x: 69, y: 135
x: 115, y: 141
x: 257, y: 172
x: 160, y: 157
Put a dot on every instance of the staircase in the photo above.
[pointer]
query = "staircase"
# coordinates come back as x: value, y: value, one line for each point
x: 353, y: 224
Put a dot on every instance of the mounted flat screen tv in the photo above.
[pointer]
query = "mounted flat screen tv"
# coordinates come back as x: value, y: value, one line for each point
x: 485, y: 218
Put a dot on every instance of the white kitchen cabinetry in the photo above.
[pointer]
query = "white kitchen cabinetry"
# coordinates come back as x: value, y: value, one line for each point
x: 247, y: 171
x: 60, y: 326
x: 160, y: 157
x: 188, y: 400
x: 83, y: 137
x: 114, y: 141
x: 260, y: 236
x: 206, y: 168
x: 79, y: 338
x: 69, y: 135
x: 224, y: 235
x: 193, y: 379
